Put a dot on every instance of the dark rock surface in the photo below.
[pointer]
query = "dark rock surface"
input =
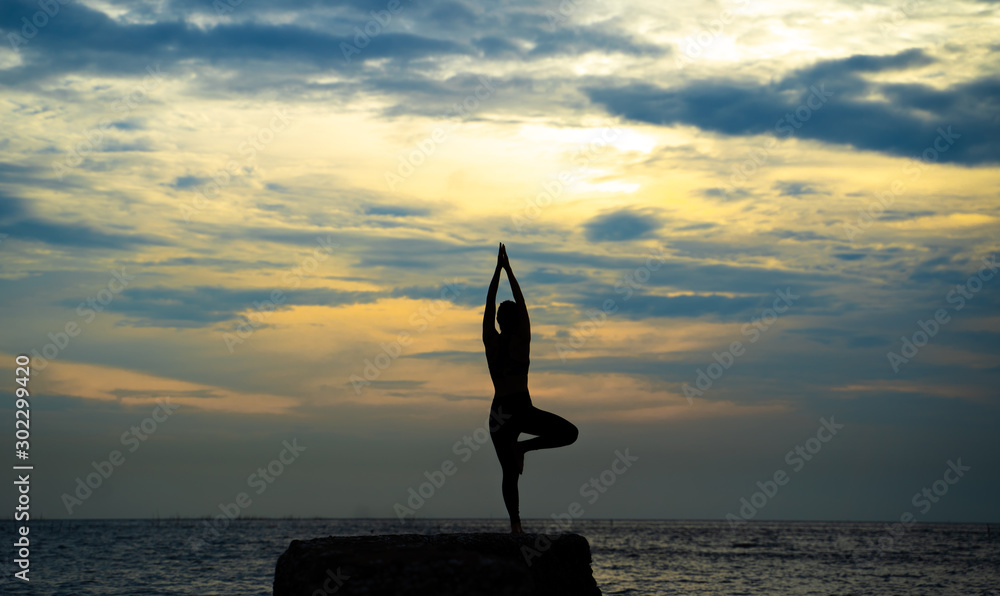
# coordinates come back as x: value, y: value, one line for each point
x: 438, y: 564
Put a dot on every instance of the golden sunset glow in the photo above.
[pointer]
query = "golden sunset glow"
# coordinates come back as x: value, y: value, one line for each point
x: 289, y: 239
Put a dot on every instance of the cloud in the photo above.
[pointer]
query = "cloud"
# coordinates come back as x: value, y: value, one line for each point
x: 395, y: 210
x: 81, y: 39
x: 187, y: 182
x: 11, y: 207
x: 205, y: 306
x: 494, y: 47
x: 834, y: 103
x: 795, y: 189
x: 867, y: 341
x: 213, y: 262
x: 642, y: 306
x: 426, y: 59
x: 621, y: 225
x: 896, y: 215
x: 453, y: 14
x: 76, y: 235
x: 116, y: 146
x: 705, y: 225
x: 553, y: 276
x: 581, y: 40
x: 803, y: 236
x: 20, y: 225
x: 723, y: 194
x: 129, y: 124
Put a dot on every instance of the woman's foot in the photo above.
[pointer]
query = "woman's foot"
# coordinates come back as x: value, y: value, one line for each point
x: 515, y: 528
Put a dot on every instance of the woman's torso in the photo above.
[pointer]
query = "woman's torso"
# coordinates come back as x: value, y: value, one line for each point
x: 508, y: 363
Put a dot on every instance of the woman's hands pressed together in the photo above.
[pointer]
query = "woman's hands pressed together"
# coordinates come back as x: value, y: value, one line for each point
x: 502, y: 260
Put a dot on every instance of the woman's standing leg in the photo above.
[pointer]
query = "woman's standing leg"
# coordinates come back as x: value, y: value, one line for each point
x: 509, y: 489
x: 504, y: 433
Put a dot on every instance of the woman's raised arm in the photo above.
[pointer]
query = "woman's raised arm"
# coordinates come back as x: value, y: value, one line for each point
x: 490, y: 312
x: 515, y: 289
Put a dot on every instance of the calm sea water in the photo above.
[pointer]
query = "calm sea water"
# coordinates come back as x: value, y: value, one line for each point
x: 630, y: 557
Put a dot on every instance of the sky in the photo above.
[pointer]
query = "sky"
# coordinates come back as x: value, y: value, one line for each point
x: 246, y: 246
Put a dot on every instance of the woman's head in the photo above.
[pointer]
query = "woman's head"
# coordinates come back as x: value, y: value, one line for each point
x: 508, y: 316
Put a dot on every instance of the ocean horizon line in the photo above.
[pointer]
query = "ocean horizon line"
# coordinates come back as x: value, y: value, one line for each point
x: 427, y: 519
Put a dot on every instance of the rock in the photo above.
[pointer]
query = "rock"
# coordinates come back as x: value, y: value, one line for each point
x: 437, y: 564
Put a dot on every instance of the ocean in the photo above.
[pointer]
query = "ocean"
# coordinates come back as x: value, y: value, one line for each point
x: 187, y: 557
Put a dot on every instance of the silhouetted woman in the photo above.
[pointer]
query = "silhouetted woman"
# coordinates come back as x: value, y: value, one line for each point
x: 511, y: 412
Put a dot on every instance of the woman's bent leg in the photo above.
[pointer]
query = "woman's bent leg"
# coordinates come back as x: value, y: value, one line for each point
x: 551, y: 430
